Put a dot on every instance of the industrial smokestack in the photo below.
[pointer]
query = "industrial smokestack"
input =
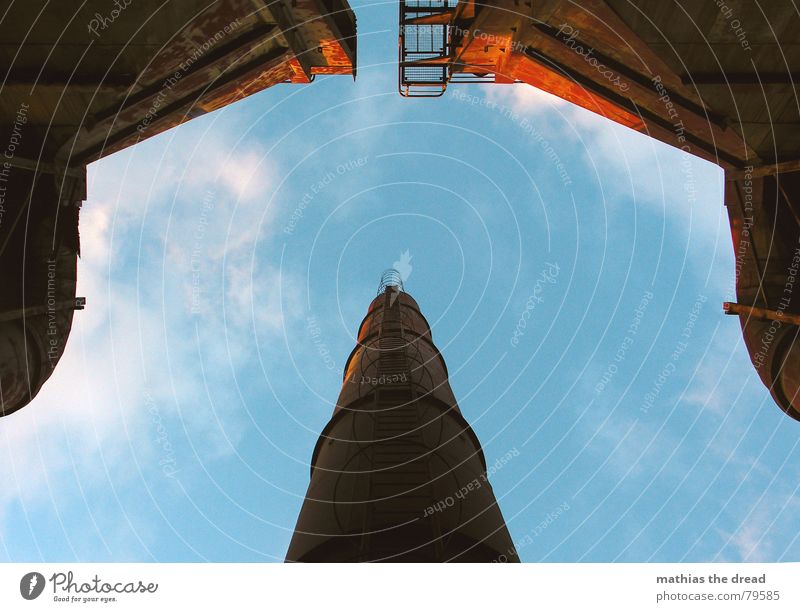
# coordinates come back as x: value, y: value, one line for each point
x: 397, y: 473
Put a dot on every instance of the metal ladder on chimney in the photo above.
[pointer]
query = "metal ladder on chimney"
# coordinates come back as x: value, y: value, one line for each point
x: 395, y: 454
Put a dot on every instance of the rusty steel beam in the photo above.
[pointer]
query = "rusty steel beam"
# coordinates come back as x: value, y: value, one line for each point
x: 757, y: 172
x: 17, y: 77
x: 214, y: 57
x: 289, y: 29
x: 741, y: 78
x: 78, y: 303
x: 764, y: 314
x: 276, y: 57
x: 637, y: 106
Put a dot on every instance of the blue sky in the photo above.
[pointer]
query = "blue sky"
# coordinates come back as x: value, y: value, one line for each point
x: 180, y: 422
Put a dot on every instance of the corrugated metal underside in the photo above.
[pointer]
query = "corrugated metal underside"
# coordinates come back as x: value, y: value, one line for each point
x: 741, y: 62
x: 83, y: 82
x: 100, y: 78
x: 688, y: 73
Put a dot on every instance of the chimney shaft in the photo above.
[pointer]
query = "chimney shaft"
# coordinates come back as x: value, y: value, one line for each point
x: 398, y: 474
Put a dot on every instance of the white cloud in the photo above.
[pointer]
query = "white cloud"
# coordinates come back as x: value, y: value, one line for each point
x: 527, y: 100
x: 761, y: 528
x: 631, y: 164
x: 79, y: 420
x: 92, y: 415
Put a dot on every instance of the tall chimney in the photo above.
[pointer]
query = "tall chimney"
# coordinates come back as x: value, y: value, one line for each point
x: 398, y: 474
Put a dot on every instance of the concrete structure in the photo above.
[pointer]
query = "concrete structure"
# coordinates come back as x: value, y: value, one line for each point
x: 715, y: 79
x: 398, y: 474
x: 85, y: 81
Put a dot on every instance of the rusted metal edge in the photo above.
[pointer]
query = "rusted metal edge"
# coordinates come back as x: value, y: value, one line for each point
x: 763, y: 314
x: 759, y: 171
x: 79, y: 303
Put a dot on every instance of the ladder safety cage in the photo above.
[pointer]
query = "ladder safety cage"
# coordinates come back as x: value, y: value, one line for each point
x: 431, y: 45
x: 424, y: 47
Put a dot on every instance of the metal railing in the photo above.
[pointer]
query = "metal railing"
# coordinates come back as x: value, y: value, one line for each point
x: 424, y: 47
